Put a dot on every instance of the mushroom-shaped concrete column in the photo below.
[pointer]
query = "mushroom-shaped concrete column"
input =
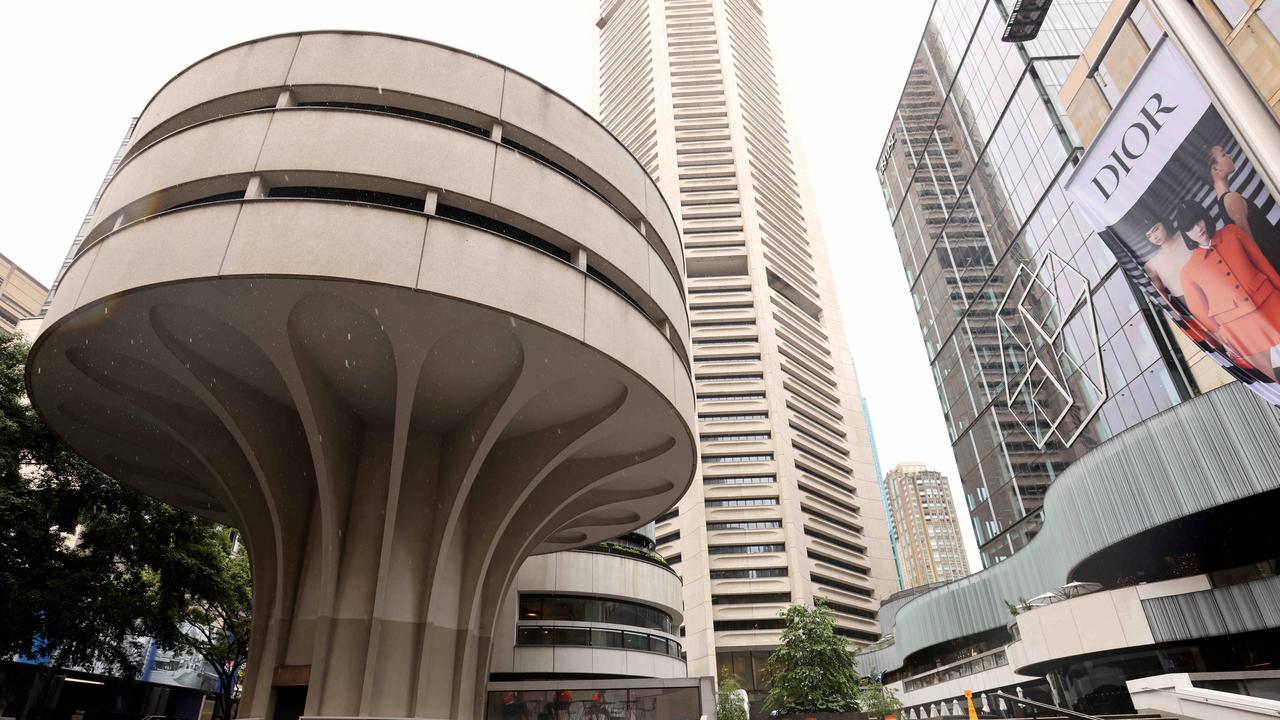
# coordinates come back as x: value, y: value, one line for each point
x: 401, y: 315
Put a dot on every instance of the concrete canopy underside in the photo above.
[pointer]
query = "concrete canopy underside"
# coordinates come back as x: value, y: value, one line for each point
x: 395, y: 407
x: 390, y: 455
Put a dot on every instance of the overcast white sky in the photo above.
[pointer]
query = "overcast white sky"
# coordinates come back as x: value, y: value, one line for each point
x: 73, y: 78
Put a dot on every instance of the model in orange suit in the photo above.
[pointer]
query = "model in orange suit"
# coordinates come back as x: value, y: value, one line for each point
x: 1230, y: 287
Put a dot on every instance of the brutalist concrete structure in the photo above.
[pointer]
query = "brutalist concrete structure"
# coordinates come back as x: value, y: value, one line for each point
x: 402, y: 315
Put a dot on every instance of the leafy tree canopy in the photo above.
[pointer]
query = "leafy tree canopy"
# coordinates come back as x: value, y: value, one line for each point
x: 812, y: 669
x: 729, y: 705
x: 877, y: 700
x: 86, y: 564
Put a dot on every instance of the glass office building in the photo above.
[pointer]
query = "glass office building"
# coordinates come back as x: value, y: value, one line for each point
x: 1154, y: 552
x: 1040, y: 347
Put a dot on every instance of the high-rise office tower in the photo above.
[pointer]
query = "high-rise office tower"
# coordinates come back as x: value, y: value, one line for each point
x: 884, y: 496
x: 1113, y: 538
x: 786, y: 508
x: 971, y: 172
x: 928, y: 543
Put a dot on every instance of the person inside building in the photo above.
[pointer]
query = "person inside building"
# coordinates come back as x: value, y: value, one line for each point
x: 1230, y: 287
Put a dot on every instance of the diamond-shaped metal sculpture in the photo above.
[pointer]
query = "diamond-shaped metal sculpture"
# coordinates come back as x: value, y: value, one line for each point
x: 1041, y: 378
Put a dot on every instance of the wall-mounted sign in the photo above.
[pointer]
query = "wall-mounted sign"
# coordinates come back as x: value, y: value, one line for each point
x: 1174, y: 197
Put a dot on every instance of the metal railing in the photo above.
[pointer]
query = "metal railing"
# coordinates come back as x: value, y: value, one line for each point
x: 1036, y: 705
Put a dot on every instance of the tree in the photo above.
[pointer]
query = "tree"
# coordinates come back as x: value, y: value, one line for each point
x: 87, y: 565
x: 812, y: 669
x: 877, y: 700
x: 728, y: 701
x: 213, y: 618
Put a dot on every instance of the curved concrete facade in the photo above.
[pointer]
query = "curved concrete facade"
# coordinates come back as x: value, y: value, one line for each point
x: 401, y: 315
x: 1208, y: 451
x: 590, y: 575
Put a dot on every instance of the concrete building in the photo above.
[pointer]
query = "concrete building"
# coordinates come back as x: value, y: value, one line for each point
x: 929, y: 546
x: 786, y: 507
x: 884, y: 493
x: 399, y: 373
x: 1130, y: 538
x: 20, y: 295
x: 87, y: 225
x: 609, y: 610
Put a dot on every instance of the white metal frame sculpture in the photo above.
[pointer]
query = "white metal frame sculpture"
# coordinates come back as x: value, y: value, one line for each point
x: 1032, y: 380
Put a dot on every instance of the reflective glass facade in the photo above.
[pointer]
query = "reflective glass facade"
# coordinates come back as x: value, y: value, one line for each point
x: 592, y: 609
x: 668, y: 703
x: 1039, y: 346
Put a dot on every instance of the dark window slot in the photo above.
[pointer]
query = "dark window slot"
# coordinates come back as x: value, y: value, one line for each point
x: 849, y: 609
x: 748, y: 574
x: 365, y: 197
x: 467, y: 217
x: 857, y: 634
x: 534, y: 154
x: 751, y: 598
x: 835, y: 541
x: 777, y: 624
x: 838, y: 585
x: 402, y: 112
x: 220, y: 197
x: 614, y: 287
x: 855, y: 569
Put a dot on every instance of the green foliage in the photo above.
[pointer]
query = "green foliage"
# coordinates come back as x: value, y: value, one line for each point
x: 729, y: 707
x: 617, y: 548
x: 87, y: 565
x: 877, y: 700
x: 1016, y: 608
x: 812, y: 669
x: 211, y: 616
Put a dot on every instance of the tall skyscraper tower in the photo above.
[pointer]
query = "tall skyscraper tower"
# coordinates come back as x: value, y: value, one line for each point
x: 884, y: 495
x: 787, y: 507
x: 929, y: 546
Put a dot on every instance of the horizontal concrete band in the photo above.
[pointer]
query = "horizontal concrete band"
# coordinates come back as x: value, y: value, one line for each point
x: 594, y: 575
x: 600, y: 575
x: 1214, y: 449
x: 315, y: 239
x: 436, y: 79
x: 351, y: 150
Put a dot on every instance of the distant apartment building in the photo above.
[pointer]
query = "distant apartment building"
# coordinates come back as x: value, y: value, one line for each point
x: 929, y: 546
x: 20, y: 294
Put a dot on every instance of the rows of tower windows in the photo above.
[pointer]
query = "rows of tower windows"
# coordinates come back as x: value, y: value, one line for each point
x: 745, y: 525
x: 742, y: 502
x: 719, y: 459
x: 749, y: 573
x: 745, y: 549
x: 738, y: 479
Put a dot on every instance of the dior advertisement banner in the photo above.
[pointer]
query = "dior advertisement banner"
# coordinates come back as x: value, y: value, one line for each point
x: 1169, y: 190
